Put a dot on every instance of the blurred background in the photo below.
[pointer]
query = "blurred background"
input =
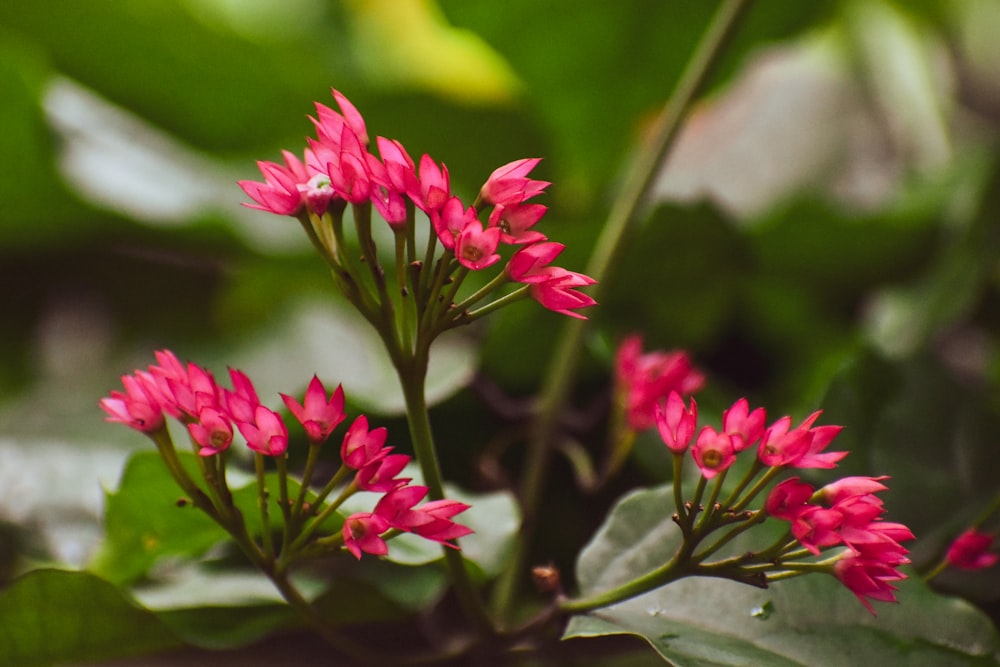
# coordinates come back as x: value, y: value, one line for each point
x: 825, y: 232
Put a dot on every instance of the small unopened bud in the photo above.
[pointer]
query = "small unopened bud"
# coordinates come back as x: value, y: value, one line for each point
x: 546, y: 578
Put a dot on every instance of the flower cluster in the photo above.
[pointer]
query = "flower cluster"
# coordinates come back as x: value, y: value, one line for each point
x: 845, y: 513
x: 213, y: 414
x: 338, y: 169
x: 971, y: 551
x: 644, y: 380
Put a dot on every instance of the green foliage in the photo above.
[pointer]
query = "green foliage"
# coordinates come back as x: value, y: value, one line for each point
x: 50, y: 617
x: 811, y: 620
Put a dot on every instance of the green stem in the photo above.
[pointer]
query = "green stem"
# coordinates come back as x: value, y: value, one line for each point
x: 624, y: 215
x: 262, y: 504
x: 283, y: 503
x: 412, y: 379
x: 661, y: 576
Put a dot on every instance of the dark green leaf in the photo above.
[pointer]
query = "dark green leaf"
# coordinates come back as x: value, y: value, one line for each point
x: 49, y: 617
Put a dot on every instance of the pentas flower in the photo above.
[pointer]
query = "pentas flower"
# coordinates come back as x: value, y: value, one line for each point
x: 713, y: 452
x: 380, y: 474
x: 557, y: 291
x: 362, y: 533
x: 676, y: 423
x: 800, y: 447
x: 475, y: 247
x: 748, y: 426
x: 241, y: 402
x: 971, y: 551
x: 360, y: 446
x: 869, y: 575
x: 186, y: 396
x: 398, y: 173
x: 330, y: 125
x: 451, y: 219
x: 213, y: 431
x: 644, y: 380
x: 515, y: 222
x: 138, y: 407
x: 431, y: 521
x: 435, y: 185
x: 509, y: 184
x: 348, y: 170
x: 318, y: 414
x: 847, y: 487
x: 267, y: 434
x: 788, y: 499
x: 279, y: 193
x: 817, y: 527
x: 528, y: 263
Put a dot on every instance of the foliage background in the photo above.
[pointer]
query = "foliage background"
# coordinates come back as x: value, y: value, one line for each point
x: 825, y: 233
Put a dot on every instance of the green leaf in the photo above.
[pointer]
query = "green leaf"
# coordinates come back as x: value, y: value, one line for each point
x: 54, y: 616
x: 143, y: 521
x: 805, y: 621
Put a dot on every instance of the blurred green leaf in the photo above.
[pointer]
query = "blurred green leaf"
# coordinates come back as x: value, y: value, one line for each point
x: 699, y: 622
x: 143, y: 521
x: 50, y: 617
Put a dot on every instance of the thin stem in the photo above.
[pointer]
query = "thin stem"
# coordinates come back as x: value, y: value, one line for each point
x: 283, y: 503
x: 262, y: 504
x: 624, y: 215
x: 307, y: 474
x: 412, y: 379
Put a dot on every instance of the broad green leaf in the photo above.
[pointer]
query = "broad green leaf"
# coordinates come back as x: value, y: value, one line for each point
x: 811, y: 620
x: 143, y: 521
x: 50, y: 617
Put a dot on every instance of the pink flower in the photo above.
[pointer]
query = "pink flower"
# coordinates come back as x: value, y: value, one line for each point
x: 362, y: 533
x: 213, y: 431
x: 781, y: 444
x: 788, y: 499
x: 348, y: 170
x: 476, y: 248
x: 317, y: 414
x: 868, y: 575
x: 846, y: 487
x: 267, y: 434
x: 816, y: 527
x: 138, y: 407
x: 399, y: 172
x: 814, y: 456
x: 434, y: 522
x: 361, y: 447
x: 557, y: 291
x: 970, y: 551
x: 279, y: 193
x: 676, y: 423
x: 646, y: 379
x: 713, y: 452
x: 739, y: 421
x: 515, y: 221
x: 185, y: 391
x: 431, y: 521
x: 435, y: 188
x: 241, y: 403
x: 380, y: 474
x: 330, y: 125
x: 528, y: 263
x: 451, y: 220
x: 509, y: 184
